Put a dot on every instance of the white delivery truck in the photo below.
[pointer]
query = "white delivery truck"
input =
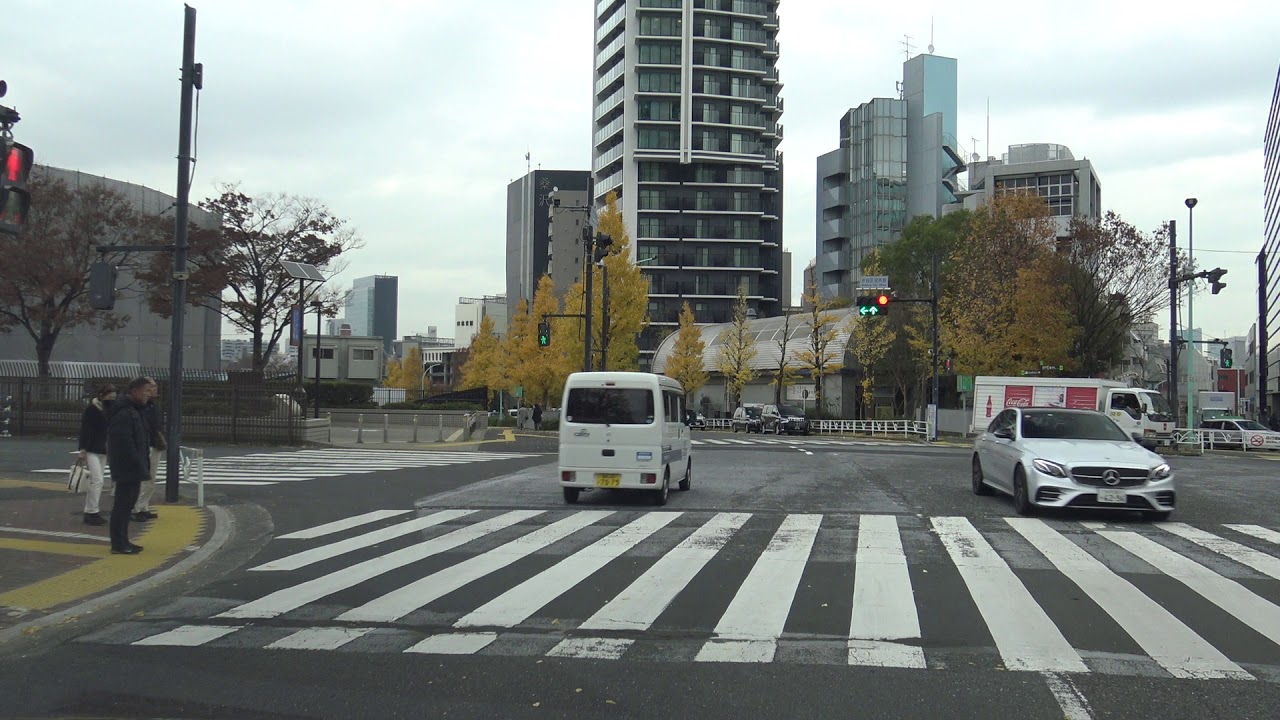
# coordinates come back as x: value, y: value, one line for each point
x: 624, y: 431
x: 1213, y: 405
x: 1135, y: 410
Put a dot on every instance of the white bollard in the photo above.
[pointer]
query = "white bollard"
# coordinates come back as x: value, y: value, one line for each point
x: 440, y: 433
x: 415, y: 428
x: 386, y: 422
x: 360, y: 428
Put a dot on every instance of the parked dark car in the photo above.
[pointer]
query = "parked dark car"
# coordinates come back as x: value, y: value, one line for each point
x: 784, y: 419
x: 748, y: 418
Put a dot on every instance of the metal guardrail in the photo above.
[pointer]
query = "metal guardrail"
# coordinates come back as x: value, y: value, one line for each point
x: 875, y: 428
x: 193, y: 458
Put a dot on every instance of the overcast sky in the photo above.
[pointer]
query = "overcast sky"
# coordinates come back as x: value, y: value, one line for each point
x: 410, y: 117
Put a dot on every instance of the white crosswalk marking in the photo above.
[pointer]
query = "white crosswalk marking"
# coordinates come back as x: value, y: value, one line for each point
x: 1259, y: 532
x: 324, y: 552
x: 1260, y: 561
x: 1170, y: 643
x: 292, y: 598
x: 644, y: 600
x: 749, y: 629
x: 1025, y: 636
x: 343, y: 524
x: 404, y: 600
x: 518, y: 603
x: 649, y: 585
x: 1223, y: 592
x: 884, y: 607
x: 260, y: 469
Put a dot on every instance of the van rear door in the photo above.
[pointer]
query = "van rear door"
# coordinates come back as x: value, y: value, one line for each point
x: 613, y: 426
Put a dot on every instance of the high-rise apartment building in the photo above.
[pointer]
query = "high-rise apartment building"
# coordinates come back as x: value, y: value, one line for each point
x: 898, y: 158
x: 1269, y: 356
x: 372, y: 308
x: 686, y: 103
x: 537, y: 238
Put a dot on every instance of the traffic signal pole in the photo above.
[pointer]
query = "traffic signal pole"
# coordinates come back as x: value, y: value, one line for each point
x: 1173, y: 317
x: 190, y: 81
x: 933, y: 301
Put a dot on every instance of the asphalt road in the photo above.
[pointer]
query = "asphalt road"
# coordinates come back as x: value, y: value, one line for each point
x: 798, y: 578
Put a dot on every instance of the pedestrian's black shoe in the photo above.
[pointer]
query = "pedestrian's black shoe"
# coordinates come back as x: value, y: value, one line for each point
x: 149, y: 513
x: 141, y: 517
x: 136, y: 548
x: 94, y: 519
x: 130, y: 550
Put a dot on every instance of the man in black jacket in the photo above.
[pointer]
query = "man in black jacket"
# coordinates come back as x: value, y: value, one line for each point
x: 129, y: 454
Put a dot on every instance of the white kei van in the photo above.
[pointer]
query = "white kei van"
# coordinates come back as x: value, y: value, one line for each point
x: 623, y: 430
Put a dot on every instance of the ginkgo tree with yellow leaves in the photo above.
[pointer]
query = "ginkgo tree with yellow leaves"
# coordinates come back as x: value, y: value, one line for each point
x: 485, y: 366
x: 737, y: 350
x: 407, y: 374
x: 628, y: 307
x: 817, y: 356
x: 685, y: 365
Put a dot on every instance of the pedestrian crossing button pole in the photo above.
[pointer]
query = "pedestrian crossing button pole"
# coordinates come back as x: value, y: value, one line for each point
x: 440, y: 433
x: 386, y: 427
x: 415, y: 429
x: 360, y: 428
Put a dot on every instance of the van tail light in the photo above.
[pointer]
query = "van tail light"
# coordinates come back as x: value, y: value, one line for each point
x: 648, y: 478
x: 567, y: 475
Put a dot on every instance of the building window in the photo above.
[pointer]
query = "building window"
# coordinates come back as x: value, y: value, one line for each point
x: 325, y: 353
x: 362, y: 354
x: 660, y: 53
x: 659, y: 81
x: 666, y: 25
x: 658, y: 139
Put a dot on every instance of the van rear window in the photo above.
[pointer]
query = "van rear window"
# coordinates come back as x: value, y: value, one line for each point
x: 610, y: 406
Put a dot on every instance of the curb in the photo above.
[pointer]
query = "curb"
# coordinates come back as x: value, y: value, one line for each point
x: 222, y: 528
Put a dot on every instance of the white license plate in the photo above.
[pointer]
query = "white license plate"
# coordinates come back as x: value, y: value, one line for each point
x: 1112, y: 496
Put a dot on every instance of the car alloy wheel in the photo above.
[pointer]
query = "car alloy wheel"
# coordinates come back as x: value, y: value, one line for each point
x: 979, y: 487
x: 1021, y: 503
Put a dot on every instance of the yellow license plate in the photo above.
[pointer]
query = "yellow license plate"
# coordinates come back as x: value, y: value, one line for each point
x: 608, y: 480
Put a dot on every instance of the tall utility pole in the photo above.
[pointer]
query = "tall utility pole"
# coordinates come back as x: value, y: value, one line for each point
x: 1191, y: 327
x: 191, y: 79
x: 588, y: 269
x: 1173, y: 317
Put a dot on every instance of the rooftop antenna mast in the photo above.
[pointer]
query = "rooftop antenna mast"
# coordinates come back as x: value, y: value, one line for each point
x: 930, y: 34
x: 907, y: 46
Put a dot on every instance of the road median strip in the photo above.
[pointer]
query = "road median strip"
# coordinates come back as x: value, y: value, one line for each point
x: 179, y: 527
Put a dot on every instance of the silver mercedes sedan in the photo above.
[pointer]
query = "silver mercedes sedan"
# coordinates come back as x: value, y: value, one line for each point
x: 1054, y: 457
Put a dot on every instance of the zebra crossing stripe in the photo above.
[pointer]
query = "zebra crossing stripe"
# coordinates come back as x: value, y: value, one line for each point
x: 591, y: 648
x: 404, y: 600
x: 749, y: 629
x: 1025, y: 636
x: 1259, y: 532
x: 319, y: 638
x: 884, y: 607
x: 324, y: 552
x: 454, y: 643
x: 519, y: 603
x: 1231, y: 596
x: 1164, y: 638
x: 637, y: 607
x: 1268, y: 565
x: 294, y: 597
x: 343, y: 524
x: 189, y: 635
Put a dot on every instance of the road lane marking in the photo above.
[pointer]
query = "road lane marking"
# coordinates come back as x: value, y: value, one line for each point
x: 419, y: 593
x: 454, y: 644
x: 1161, y: 635
x: 319, y: 638
x: 342, y: 547
x: 343, y: 524
x: 189, y: 635
x: 591, y: 648
x: 295, y: 596
x: 749, y: 629
x: 884, y: 604
x: 1237, y: 600
x: 522, y: 601
x: 1259, y: 532
x: 1072, y: 702
x: 638, y: 606
x: 1268, y: 565
x: 1025, y: 636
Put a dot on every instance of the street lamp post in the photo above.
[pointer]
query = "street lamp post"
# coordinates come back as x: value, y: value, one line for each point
x: 426, y: 371
x: 1191, y: 293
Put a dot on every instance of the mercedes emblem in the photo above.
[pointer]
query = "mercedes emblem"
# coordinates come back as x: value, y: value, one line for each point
x: 1111, y: 477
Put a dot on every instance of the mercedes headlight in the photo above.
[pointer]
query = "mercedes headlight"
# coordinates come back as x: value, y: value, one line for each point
x: 1161, y: 472
x: 1049, y: 467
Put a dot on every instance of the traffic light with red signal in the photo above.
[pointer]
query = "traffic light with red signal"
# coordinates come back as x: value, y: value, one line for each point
x: 874, y: 305
x: 15, y: 201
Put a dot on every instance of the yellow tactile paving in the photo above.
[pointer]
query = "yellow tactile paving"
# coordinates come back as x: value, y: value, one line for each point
x: 178, y: 527
x: 56, y: 548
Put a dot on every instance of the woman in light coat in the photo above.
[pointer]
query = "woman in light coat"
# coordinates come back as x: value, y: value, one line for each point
x: 93, y: 449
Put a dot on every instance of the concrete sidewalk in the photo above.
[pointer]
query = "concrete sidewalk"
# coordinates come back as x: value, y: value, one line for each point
x: 50, y: 560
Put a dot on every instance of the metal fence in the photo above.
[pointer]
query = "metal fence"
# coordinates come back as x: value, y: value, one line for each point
x: 228, y: 411
x: 907, y: 429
